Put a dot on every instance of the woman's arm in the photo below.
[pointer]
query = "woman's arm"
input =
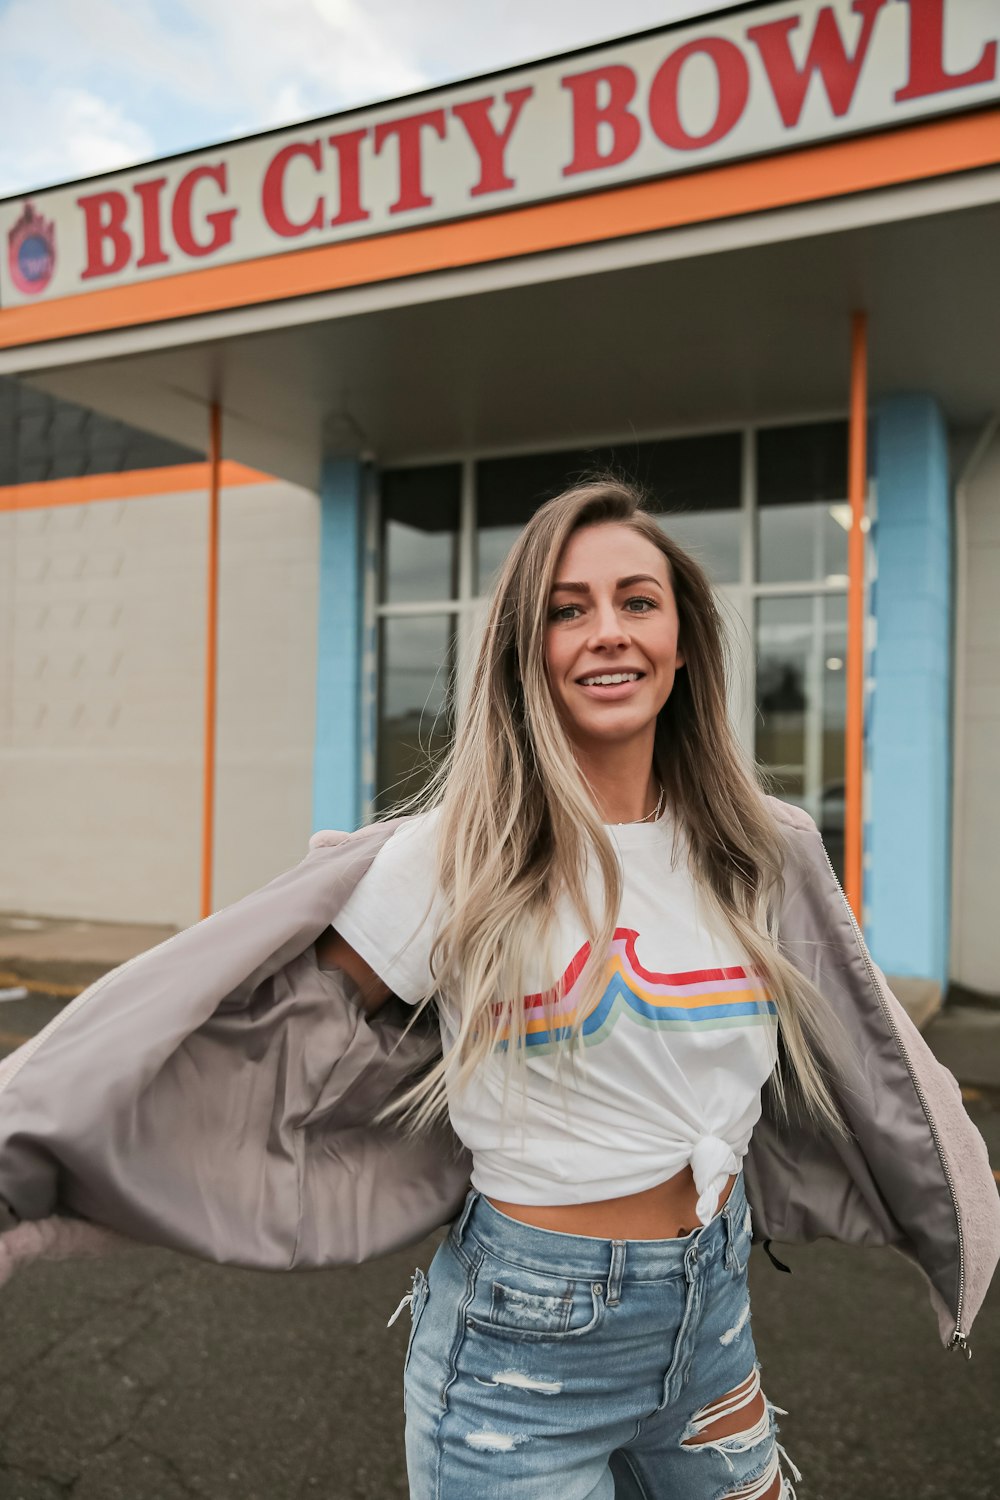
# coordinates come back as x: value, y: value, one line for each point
x: 335, y: 952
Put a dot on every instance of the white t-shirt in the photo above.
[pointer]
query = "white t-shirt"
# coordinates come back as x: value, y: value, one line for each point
x: 677, y: 1049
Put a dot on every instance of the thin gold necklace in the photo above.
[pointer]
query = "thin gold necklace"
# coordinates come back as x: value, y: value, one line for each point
x: 650, y: 816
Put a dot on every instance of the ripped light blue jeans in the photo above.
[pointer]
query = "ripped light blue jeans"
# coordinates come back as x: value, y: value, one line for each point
x: 545, y: 1366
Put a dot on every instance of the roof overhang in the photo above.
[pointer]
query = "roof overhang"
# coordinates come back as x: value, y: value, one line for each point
x: 679, y: 300
x: 745, y: 318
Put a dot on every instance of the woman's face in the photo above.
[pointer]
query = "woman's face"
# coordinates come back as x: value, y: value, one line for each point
x: 611, y: 612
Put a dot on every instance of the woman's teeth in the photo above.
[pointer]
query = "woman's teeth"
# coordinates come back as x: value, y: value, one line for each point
x: 609, y: 679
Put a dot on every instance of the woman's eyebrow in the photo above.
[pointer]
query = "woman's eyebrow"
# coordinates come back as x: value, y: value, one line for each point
x: 623, y: 583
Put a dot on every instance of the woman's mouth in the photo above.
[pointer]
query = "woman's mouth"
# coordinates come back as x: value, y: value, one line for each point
x: 613, y: 685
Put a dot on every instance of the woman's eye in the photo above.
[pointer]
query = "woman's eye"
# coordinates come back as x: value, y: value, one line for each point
x: 564, y: 611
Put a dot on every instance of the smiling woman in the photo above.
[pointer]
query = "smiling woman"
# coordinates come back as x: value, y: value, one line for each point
x: 608, y: 997
x: 617, y: 647
x: 597, y: 942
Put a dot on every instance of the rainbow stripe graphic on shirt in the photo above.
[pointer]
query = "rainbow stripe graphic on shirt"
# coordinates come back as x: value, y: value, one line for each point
x: 697, y: 1000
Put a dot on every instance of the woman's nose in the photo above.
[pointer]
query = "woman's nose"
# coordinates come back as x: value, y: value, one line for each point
x: 608, y: 628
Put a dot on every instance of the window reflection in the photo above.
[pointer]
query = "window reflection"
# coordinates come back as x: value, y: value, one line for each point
x: 420, y: 522
x: 711, y: 537
x: 802, y: 520
x: 417, y: 656
x: 803, y: 515
x: 694, y: 480
x: 801, y: 703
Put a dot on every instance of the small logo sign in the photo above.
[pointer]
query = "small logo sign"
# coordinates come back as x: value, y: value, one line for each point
x: 31, y: 251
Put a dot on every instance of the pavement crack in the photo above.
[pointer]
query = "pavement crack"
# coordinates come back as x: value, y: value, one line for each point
x: 64, y: 1487
x: 114, y: 1356
x: 173, y: 1469
x: 42, y: 1354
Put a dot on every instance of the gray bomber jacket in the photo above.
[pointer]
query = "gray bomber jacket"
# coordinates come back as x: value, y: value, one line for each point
x: 214, y: 1095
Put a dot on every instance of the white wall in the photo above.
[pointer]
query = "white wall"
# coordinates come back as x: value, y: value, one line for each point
x: 975, y: 941
x: 268, y: 618
x: 102, y: 646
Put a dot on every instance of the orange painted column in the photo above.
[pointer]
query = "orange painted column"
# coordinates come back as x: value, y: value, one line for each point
x: 211, y: 660
x: 857, y: 486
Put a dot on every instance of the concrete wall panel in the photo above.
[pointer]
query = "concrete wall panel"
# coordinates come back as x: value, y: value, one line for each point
x: 975, y: 930
x: 101, y: 719
x: 268, y: 596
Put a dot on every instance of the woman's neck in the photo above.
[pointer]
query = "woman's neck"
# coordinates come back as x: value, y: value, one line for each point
x: 626, y: 792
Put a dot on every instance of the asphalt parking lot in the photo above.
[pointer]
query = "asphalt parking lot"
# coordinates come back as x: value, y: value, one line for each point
x: 150, y: 1376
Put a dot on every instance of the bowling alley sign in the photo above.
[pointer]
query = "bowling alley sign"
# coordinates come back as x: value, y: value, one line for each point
x: 749, y: 82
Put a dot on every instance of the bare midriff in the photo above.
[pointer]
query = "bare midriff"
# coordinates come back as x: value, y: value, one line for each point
x: 665, y: 1211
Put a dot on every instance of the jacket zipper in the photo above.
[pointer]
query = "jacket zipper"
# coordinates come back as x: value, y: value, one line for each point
x: 958, y: 1340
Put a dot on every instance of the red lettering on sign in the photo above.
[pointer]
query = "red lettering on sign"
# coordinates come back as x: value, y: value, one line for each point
x: 589, y: 114
x: 827, y: 56
x: 221, y: 221
x: 149, y: 194
x: 109, y: 246
x: 407, y: 132
x: 490, y: 143
x: 734, y: 91
x: 348, y: 148
x: 272, y: 195
x: 927, y: 74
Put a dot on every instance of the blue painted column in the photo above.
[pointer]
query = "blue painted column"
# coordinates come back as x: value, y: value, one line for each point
x: 909, y: 877
x: 337, y: 760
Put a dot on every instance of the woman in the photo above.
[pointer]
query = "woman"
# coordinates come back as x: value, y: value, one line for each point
x: 225, y: 1096
x: 584, y: 1328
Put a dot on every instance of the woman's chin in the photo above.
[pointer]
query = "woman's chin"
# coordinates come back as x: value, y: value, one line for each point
x: 611, y: 728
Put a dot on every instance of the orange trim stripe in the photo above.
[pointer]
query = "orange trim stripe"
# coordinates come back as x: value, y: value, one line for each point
x: 854, y: 728
x: 133, y: 484
x: 211, y: 659
x: 830, y: 170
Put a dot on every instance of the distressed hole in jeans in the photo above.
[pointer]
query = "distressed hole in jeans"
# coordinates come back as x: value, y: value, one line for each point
x: 523, y: 1382
x: 495, y: 1442
x: 737, y: 1328
x: 736, y: 1422
x: 766, y: 1486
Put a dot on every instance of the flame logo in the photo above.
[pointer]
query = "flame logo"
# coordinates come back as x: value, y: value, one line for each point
x: 31, y: 251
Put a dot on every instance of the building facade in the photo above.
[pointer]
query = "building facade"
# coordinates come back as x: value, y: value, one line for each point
x: 419, y: 320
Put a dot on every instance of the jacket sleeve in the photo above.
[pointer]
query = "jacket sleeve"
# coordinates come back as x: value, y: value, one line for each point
x: 928, y: 1161
x: 214, y: 1094
x: 965, y: 1158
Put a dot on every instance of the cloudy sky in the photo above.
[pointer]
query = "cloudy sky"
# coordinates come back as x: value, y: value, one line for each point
x: 88, y: 85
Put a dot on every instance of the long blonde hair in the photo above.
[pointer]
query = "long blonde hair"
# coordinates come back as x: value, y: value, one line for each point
x: 517, y: 821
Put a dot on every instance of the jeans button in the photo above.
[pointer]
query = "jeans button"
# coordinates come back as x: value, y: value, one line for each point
x: 598, y: 1289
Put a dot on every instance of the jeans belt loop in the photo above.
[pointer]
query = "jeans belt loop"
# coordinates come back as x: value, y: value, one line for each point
x: 691, y: 1260
x: 471, y: 1199
x: 615, y: 1272
x: 729, y: 1214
